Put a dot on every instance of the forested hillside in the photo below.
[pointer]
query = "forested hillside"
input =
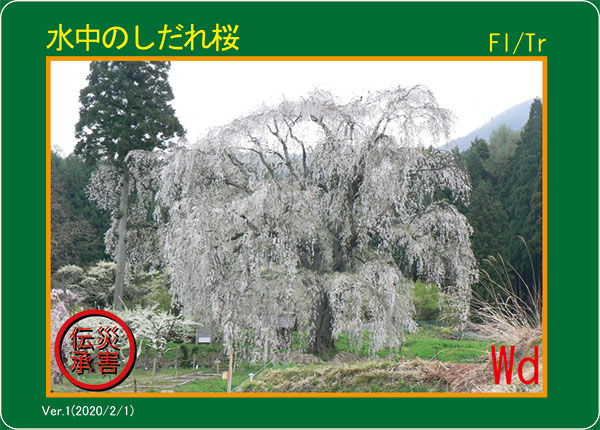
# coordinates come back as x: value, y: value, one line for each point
x: 506, y: 202
x: 513, y: 118
x: 78, y: 226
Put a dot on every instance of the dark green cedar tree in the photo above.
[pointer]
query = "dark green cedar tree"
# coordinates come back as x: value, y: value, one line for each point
x: 486, y: 213
x: 125, y: 107
x: 522, y: 193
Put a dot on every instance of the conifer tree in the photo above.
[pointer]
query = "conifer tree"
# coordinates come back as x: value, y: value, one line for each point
x: 522, y: 190
x: 124, y: 107
x: 486, y: 213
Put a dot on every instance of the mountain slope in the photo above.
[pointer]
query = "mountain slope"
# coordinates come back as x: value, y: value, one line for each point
x: 514, y: 117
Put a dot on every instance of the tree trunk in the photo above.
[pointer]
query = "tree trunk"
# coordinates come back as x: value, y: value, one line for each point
x: 322, y: 339
x: 120, y: 278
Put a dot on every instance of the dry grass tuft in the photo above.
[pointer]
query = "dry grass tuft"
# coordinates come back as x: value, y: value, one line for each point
x: 458, y: 377
x: 385, y: 376
x: 507, y: 319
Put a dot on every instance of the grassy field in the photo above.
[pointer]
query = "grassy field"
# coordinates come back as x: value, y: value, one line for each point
x: 186, y: 381
x: 430, y: 360
x: 428, y: 343
x: 384, y: 371
x: 367, y: 376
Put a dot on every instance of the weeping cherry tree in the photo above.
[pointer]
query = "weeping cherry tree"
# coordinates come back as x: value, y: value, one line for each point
x: 326, y: 210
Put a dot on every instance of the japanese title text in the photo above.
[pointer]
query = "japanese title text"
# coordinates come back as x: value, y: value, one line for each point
x: 179, y: 37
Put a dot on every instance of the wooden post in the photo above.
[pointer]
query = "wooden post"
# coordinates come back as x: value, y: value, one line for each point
x: 134, y: 385
x: 217, y: 362
x: 230, y: 371
x: 154, y: 367
x: 175, y: 367
x: 194, y: 362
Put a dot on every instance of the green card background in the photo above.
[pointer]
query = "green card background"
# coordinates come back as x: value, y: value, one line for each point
x: 332, y: 29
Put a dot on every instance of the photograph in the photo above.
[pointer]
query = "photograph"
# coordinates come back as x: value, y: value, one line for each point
x: 309, y: 227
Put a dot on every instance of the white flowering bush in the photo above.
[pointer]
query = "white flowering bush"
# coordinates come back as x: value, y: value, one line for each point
x: 157, y: 327
x: 63, y: 304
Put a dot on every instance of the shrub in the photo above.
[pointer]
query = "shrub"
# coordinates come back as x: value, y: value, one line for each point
x: 427, y: 301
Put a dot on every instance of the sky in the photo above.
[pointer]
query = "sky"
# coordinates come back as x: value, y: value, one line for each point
x: 213, y: 93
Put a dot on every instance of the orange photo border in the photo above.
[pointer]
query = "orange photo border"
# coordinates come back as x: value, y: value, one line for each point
x: 543, y: 394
